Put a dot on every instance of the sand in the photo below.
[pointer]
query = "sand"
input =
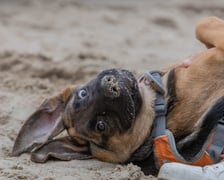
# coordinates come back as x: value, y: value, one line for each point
x: 46, y: 45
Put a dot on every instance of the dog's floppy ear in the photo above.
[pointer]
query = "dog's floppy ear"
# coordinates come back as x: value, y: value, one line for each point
x: 64, y: 149
x: 44, y: 124
x: 210, y: 31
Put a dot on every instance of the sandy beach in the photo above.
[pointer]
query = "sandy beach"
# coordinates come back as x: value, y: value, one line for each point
x: 46, y: 45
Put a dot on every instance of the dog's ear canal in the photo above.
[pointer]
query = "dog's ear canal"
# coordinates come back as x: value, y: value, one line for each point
x: 44, y: 124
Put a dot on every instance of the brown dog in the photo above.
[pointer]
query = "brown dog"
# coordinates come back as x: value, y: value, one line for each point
x: 111, y: 118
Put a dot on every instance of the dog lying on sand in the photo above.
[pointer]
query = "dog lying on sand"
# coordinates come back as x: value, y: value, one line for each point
x: 167, y: 115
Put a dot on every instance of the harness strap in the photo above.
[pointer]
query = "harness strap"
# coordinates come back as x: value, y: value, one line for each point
x: 162, y: 140
x: 217, y: 146
x: 154, y: 80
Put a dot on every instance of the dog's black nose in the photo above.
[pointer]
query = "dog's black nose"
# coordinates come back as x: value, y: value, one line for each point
x: 110, y: 86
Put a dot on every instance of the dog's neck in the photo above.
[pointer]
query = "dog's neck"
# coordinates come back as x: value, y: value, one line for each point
x: 144, y: 151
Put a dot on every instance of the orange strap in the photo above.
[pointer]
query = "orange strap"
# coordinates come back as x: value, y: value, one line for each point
x: 164, y: 153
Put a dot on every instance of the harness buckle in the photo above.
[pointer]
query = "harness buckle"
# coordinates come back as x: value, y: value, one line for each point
x: 160, y: 109
x: 150, y: 79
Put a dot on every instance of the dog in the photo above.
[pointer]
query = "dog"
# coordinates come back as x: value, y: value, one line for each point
x: 112, y: 117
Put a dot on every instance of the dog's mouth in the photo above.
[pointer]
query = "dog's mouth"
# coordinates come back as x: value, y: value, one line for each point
x: 104, y: 106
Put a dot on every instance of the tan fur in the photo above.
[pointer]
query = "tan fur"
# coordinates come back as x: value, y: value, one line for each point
x: 197, y: 88
x: 210, y: 32
x: 67, y: 92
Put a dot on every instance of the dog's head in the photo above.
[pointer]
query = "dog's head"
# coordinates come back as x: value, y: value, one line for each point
x: 107, y: 119
x: 103, y: 110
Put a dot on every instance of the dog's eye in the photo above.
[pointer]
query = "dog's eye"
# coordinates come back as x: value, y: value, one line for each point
x: 100, y: 126
x: 82, y: 93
